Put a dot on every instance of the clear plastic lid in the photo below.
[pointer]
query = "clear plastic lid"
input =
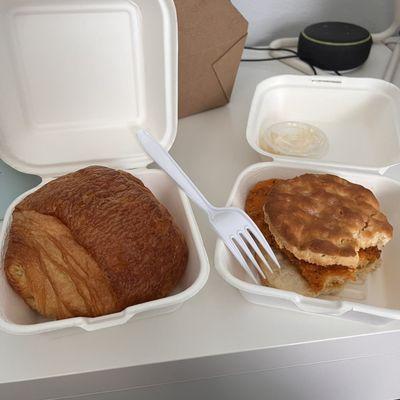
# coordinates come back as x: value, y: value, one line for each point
x: 293, y: 138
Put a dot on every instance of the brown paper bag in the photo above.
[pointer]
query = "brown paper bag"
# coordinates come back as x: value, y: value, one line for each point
x: 212, y: 34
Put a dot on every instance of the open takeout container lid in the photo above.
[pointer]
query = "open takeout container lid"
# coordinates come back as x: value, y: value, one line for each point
x: 359, y: 116
x: 78, y: 78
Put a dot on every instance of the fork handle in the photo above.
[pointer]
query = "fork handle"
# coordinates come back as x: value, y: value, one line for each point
x: 169, y: 165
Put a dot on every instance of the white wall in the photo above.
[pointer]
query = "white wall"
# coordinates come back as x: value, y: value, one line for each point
x: 271, y: 19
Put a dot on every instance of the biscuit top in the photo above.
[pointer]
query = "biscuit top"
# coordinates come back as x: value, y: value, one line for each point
x: 325, y: 220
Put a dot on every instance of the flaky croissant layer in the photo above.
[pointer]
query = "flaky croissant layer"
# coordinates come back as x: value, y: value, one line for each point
x: 93, y: 242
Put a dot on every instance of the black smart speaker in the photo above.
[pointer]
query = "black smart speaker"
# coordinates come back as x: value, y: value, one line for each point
x: 334, y: 46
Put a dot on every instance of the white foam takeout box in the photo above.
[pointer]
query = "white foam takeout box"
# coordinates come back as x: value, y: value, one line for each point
x: 78, y: 78
x: 361, y: 118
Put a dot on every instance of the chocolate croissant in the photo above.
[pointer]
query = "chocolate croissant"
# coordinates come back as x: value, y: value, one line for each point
x: 93, y: 242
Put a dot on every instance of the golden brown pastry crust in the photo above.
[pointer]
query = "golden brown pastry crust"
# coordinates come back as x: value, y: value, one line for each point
x: 325, y: 220
x: 52, y: 272
x: 115, y: 243
x: 318, y: 279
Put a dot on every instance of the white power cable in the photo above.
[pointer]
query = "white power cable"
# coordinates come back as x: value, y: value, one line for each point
x: 394, y: 59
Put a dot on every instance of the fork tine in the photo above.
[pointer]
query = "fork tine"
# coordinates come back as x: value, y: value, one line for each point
x: 235, y: 251
x: 256, y: 248
x: 249, y: 254
x: 253, y: 229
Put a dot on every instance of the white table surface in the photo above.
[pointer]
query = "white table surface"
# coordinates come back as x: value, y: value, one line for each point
x: 239, y: 336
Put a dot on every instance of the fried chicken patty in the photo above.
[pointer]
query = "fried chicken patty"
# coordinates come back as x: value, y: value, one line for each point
x: 321, y: 279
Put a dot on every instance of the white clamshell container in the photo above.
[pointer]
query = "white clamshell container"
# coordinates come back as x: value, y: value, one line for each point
x: 361, y: 118
x: 78, y: 78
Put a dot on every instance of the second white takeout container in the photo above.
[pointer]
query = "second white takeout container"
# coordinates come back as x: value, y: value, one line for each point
x: 77, y: 80
x: 361, y: 118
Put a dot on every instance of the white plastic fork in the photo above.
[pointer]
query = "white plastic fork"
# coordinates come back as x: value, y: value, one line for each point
x: 233, y: 226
